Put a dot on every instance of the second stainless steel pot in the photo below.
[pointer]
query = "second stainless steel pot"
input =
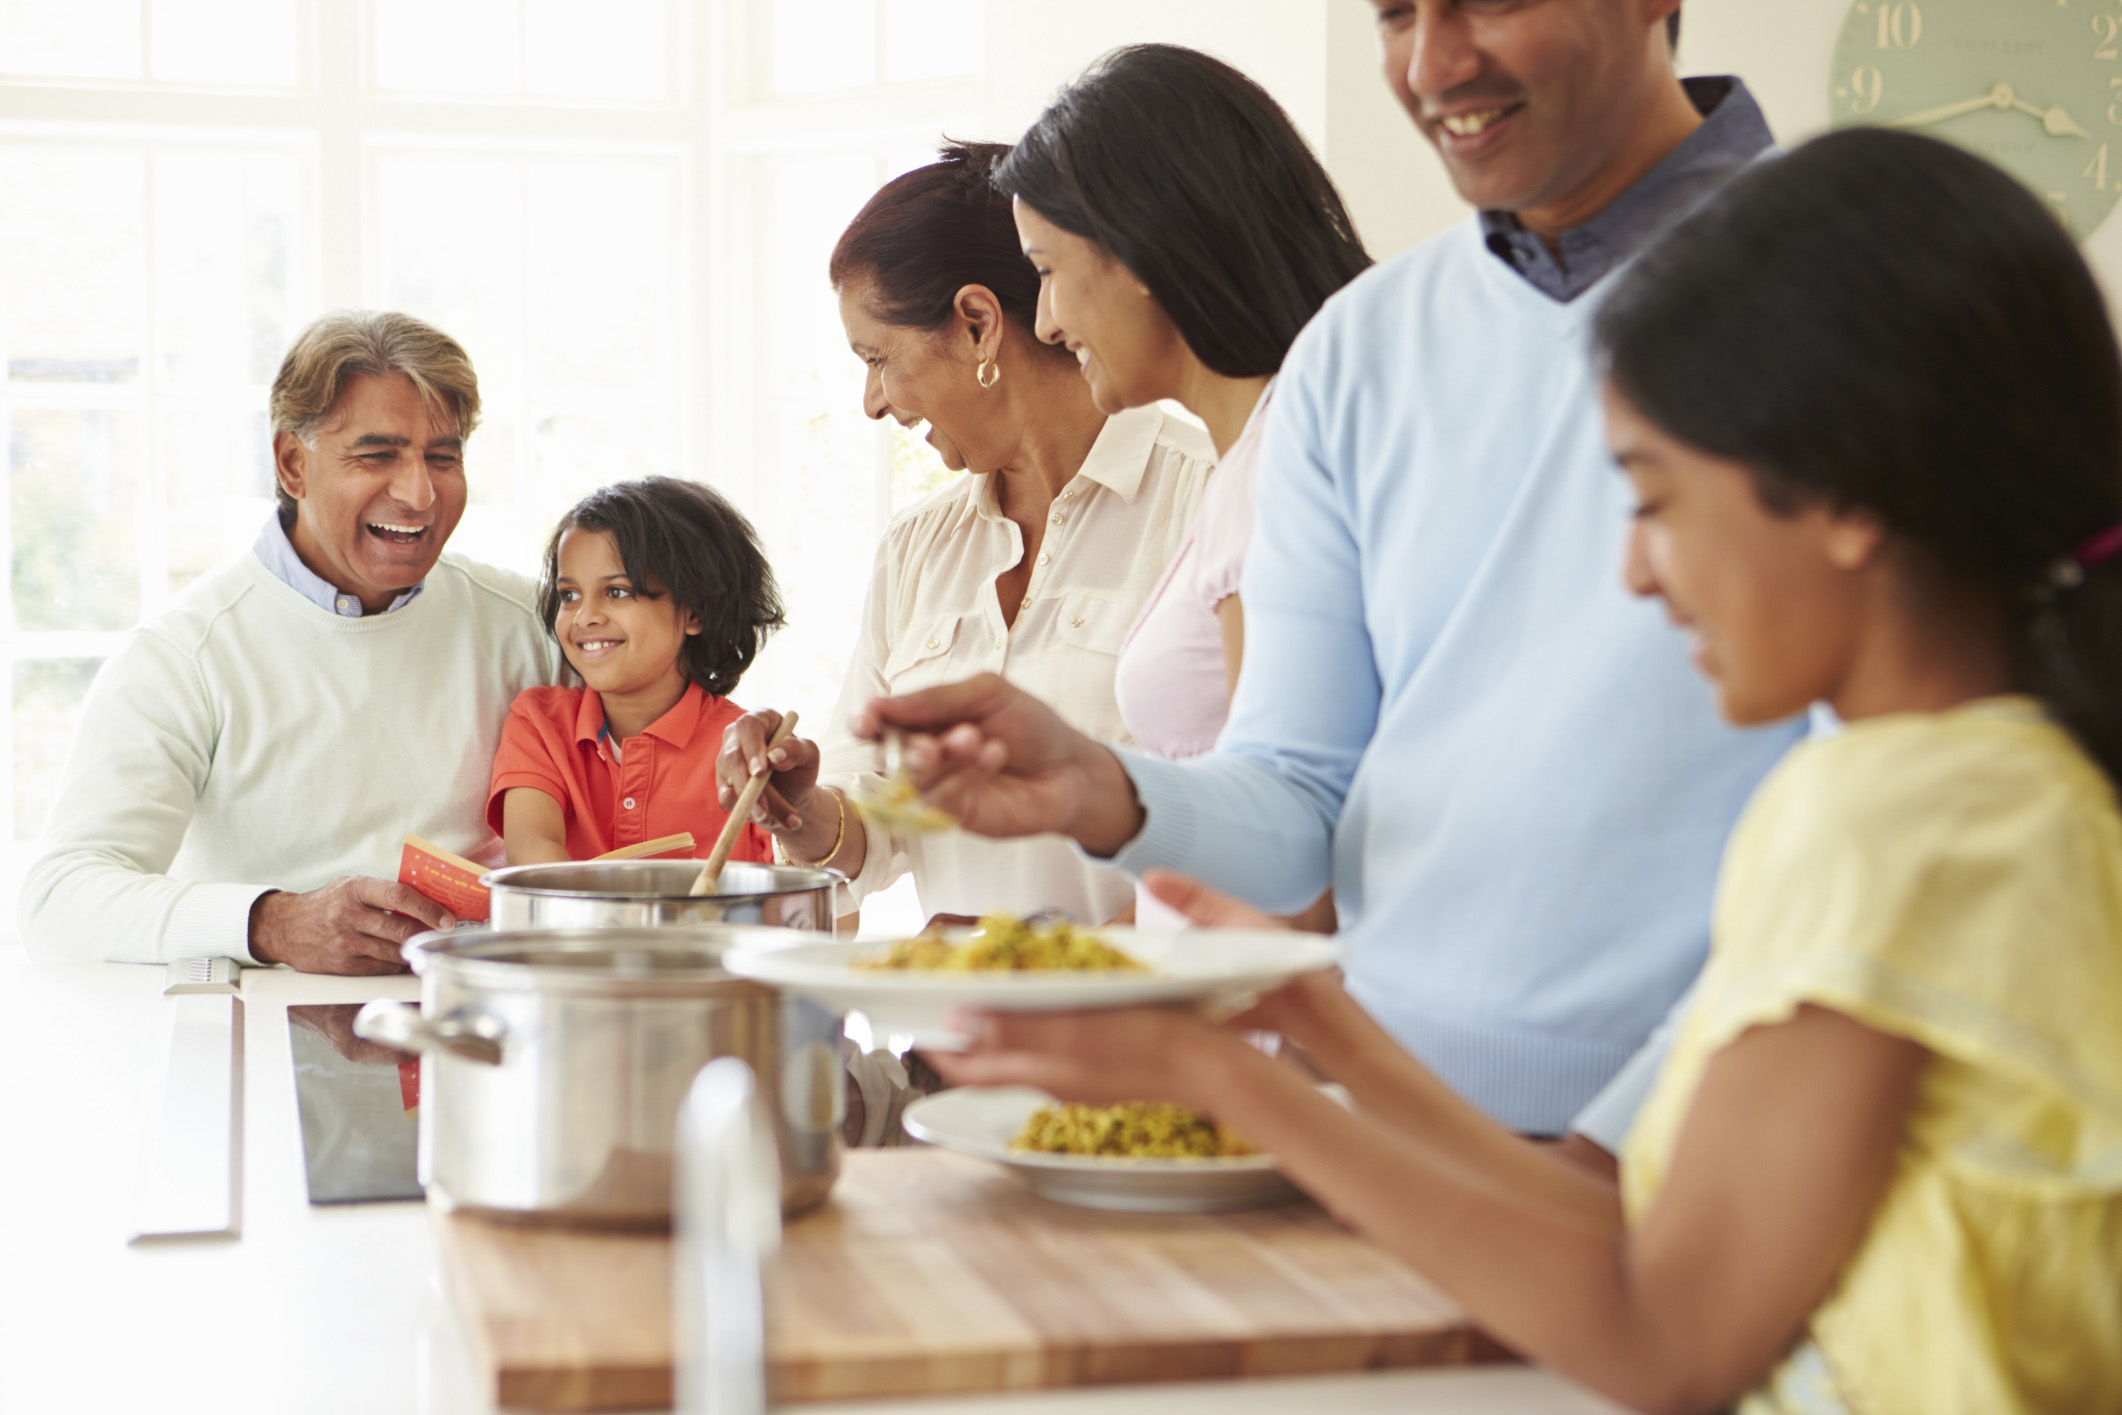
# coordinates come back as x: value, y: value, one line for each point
x: 649, y: 893
x: 554, y: 1062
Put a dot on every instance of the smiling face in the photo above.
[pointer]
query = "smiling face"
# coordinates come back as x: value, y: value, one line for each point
x: 379, y: 494
x: 623, y: 638
x: 1528, y: 101
x: 1773, y: 604
x: 920, y: 375
x: 1093, y: 306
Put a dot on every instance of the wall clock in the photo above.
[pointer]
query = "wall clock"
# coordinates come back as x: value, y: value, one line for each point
x: 2035, y: 86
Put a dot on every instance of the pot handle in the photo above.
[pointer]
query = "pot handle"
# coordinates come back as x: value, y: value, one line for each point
x: 475, y: 1036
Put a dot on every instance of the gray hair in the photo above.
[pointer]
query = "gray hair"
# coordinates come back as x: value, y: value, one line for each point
x: 348, y: 344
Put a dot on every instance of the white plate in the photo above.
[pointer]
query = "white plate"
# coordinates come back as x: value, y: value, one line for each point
x: 981, y: 1121
x: 1220, y: 971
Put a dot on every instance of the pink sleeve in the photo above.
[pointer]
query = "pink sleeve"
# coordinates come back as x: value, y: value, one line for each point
x: 1224, y: 526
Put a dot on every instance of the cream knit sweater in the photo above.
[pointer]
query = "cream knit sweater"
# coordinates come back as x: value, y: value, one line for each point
x: 248, y: 740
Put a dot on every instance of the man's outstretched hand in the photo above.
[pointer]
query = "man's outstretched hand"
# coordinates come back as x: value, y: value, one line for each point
x: 1006, y: 765
x: 354, y: 925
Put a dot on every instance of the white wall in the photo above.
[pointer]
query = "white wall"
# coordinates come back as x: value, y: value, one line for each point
x: 1390, y: 177
x: 1319, y: 58
x: 1032, y: 49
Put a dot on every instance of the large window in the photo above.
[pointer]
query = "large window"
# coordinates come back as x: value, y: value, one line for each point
x: 622, y: 209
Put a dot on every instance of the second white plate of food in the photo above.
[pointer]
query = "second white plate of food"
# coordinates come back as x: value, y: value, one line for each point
x: 982, y: 1121
x: 1218, y: 970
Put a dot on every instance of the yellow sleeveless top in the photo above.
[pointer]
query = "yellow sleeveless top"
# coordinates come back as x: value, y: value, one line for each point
x: 1956, y: 879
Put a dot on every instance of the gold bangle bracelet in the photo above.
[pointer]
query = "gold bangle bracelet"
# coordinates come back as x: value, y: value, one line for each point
x: 838, y: 840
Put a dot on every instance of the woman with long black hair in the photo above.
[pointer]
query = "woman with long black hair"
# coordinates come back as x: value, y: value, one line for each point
x: 1183, y: 233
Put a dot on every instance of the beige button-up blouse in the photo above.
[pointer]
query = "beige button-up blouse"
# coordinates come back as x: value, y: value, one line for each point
x: 932, y: 617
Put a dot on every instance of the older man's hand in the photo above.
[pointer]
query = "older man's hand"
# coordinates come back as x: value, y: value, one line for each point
x: 353, y: 925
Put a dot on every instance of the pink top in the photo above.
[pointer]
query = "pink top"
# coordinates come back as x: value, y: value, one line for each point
x: 1170, y: 683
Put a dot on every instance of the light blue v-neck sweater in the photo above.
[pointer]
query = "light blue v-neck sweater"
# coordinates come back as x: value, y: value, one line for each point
x: 1451, y: 708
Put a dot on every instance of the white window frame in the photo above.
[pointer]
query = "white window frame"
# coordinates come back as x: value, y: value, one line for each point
x: 718, y: 124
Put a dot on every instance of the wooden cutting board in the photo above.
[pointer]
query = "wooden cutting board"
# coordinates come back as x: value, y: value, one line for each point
x: 930, y: 1273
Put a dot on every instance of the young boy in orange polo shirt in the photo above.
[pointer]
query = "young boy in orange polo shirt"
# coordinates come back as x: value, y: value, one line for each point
x: 660, y: 597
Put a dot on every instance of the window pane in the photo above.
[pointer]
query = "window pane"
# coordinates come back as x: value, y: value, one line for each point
x: 562, y: 278
x: 452, y: 253
x: 927, y: 39
x: 98, y: 39
x: 821, y: 518
x: 72, y: 476
x: 490, y: 458
x: 71, y: 258
x: 575, y: 452
x: 603, y: 280
x: 495, y: 528
x: 824, y: 44
x: 47, y: 703
x: 613, y: 49
x: 448, y: 46
x: 916, y: 468
x: 228, y: 240
x: 223, y: 41
x: 500, y: 535
x: 219, y: 467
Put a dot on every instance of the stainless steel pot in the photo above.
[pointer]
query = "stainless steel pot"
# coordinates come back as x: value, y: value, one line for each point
x: 554, y: 1062
x: 648, y: 893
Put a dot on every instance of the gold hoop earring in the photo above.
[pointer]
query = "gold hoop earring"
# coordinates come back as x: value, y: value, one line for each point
x: 988, y: 374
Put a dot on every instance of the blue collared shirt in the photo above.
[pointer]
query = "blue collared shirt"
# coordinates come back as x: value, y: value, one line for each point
x: 1733, y: 133
x: 277, y: 553
x: 1452, y: 710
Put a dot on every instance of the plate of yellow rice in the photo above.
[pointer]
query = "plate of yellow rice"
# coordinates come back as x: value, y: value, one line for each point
x: 909, y: 988
x: 1140, y: 1156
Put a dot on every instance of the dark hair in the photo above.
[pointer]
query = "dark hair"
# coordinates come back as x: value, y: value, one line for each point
x: 1672, y: 29
x: 1883, y: 322
x: 929, y: 233
x: 703, y: 552
x: 1192, y: 177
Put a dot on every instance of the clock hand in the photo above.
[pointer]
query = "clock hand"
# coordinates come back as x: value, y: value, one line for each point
x: 2000, y: 98
x: 2054, y: 121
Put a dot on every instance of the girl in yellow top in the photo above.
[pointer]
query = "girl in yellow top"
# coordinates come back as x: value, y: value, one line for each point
x: 1871, y: 406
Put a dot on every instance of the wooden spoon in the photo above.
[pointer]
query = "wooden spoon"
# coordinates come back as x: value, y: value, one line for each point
x: 711, y: 872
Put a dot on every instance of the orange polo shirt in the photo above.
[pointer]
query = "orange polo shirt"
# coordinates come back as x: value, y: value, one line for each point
x: 662, y: 783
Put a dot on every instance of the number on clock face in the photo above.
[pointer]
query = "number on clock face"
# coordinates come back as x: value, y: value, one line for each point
x: 1900, y: 24
x: 2033, y: 85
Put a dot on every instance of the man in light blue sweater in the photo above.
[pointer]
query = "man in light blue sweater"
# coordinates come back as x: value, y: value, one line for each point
x: 1451, y: 709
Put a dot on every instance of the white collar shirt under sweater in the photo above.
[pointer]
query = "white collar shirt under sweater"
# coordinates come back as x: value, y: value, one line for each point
x: 248, y: 740
x: 932, y: 617
x: 1451, y: 709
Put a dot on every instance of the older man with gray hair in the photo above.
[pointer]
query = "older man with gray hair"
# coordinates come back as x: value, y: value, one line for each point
x: 249, y: 763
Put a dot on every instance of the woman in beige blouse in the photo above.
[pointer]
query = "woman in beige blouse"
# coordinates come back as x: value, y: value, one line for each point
x: 1032, y: 565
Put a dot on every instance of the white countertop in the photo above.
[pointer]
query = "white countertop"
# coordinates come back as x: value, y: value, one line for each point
x: 342, y: 1308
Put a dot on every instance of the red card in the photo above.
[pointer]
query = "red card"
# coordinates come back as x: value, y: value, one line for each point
x: 450, y: 880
